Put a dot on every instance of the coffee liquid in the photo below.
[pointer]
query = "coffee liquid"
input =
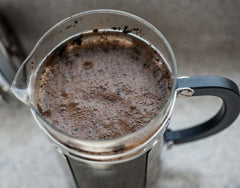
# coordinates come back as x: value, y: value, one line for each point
x: 102, y: 85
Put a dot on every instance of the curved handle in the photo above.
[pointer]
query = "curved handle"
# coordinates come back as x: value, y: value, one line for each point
x: 221, y: 87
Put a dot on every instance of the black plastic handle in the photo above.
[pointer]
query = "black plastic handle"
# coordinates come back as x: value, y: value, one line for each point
x: 221, y: 87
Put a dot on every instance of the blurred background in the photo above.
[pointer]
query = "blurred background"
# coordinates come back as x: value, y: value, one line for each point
x: 205, y: 36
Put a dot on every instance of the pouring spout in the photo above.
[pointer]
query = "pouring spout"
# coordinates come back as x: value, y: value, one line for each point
x: 21, y: 94
x: 20, y: 85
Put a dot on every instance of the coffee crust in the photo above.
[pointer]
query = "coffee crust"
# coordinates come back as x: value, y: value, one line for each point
x: 102, y: 85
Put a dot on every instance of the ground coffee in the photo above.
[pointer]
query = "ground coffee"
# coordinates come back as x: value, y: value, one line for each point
x: 102, y: 85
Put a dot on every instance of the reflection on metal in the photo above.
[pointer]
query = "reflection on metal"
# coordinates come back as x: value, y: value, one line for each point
x: 11, y: 57
x: 170, y: 144
x: 185, y: 92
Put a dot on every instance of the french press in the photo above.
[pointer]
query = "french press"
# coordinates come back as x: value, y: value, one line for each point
x: 131, y: 161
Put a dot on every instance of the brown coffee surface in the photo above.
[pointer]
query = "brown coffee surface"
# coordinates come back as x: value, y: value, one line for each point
x: 102, y: 85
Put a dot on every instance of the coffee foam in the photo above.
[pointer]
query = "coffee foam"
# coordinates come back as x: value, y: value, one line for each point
x: 101, y: 86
